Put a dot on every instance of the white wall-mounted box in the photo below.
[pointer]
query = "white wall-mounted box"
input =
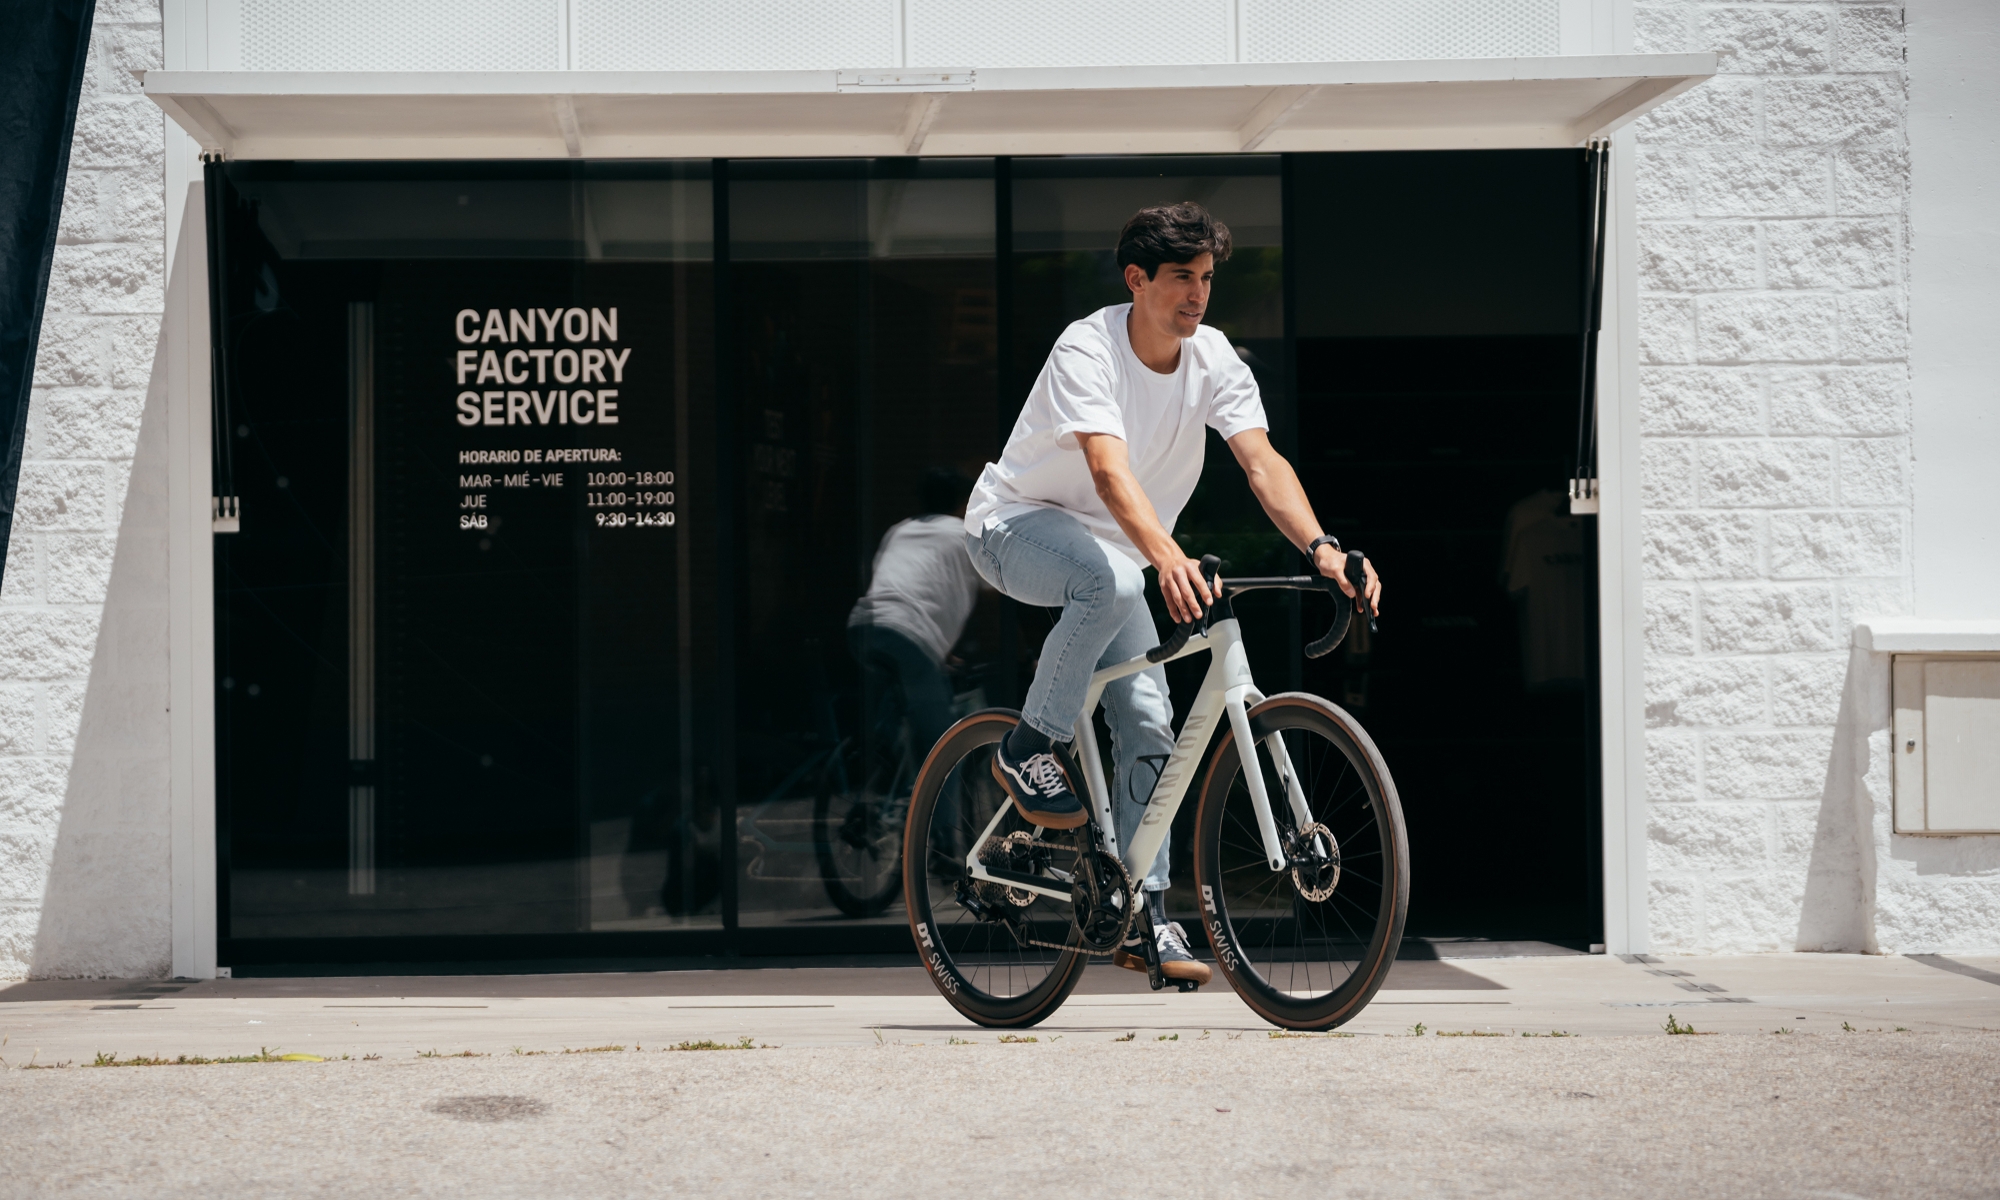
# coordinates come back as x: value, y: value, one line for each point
x: 1947, y: 743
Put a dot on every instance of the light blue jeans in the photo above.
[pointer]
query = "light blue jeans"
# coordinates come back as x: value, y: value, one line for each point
x: 1047, y: 558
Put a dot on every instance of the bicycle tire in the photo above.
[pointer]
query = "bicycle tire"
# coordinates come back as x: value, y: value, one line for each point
x: 849, y: 795
x: 1263, y: 927
x: 966, y: 957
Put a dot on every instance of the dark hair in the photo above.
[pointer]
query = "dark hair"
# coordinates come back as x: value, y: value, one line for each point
x: 1171, y: 233
x: 943, y: 490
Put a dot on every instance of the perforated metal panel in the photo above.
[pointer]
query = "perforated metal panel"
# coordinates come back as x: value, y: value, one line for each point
x: 401, y: 35
x: 736, y: 35
x: 1062, y: 33
x: 1357, y: 30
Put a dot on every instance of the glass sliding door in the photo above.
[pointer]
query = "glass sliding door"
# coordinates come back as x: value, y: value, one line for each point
x: 1067, y: 213
x: 456, y: 652
x: 863, y: 346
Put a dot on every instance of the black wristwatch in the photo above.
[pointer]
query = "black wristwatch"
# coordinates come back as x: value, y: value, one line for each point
x: 1325, y: 539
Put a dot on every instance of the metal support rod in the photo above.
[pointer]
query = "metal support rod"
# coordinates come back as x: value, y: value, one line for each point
x: 1583, y: 481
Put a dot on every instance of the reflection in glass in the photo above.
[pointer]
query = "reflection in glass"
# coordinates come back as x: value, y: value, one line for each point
x: 863, y: 304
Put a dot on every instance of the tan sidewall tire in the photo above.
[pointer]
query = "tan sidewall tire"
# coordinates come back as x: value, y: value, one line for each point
x: 1302, y: 710
x: 994, y: 1012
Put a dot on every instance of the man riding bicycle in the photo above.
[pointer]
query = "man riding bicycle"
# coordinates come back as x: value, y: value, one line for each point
x: 1104, y: 456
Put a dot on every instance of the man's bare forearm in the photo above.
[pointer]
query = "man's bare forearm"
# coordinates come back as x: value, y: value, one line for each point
x: 1276, y: 487
x: 1111, y: 473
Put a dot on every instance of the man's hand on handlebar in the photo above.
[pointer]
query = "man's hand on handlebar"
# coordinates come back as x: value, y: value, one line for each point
x: 1331, y: 563
x: 1187, y: 594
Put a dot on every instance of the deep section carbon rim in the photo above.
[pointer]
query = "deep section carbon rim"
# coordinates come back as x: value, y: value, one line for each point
x: 1307, y: 946
x: 992, y: 951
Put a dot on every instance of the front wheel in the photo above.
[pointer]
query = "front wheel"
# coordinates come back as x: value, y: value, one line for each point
x: 1306, y: 947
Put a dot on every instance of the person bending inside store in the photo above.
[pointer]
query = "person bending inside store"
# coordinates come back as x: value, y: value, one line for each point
x: 920, y: 592
x: 1084, y: 498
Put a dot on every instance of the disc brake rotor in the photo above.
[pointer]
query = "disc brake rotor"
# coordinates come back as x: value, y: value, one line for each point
x: 1315, y: 859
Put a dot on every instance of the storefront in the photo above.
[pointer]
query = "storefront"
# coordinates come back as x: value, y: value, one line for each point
x: 543, y: 477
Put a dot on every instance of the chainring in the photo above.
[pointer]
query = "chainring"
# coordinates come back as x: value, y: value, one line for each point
x: 1102, y: 897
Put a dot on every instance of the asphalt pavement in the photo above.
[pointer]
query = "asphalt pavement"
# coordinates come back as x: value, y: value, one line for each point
x: 1804, y: 1076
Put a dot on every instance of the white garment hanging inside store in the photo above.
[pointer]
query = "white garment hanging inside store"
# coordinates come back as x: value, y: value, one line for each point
x: 1473, y: 103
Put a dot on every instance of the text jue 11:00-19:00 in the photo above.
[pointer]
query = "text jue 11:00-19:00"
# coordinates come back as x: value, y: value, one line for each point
x: 615, y: 499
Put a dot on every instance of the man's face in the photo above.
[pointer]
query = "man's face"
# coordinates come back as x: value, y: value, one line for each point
x: 1175, y: 298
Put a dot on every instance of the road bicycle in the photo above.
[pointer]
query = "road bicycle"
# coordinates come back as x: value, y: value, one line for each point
x: 1301, y: 863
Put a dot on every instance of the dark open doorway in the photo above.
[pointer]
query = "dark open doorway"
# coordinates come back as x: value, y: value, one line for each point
x: 1437, y: 300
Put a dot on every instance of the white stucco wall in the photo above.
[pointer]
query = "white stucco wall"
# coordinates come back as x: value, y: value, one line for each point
x: 1777, y: 411
x: 83, y: 613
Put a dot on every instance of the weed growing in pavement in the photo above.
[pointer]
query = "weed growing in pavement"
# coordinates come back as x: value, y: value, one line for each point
x: 877, y: 1033
x: 461, y: 1054
x: 1902, y: 1029
x: 1849, y: 1028
x: 264, y: 1054
x: 1674, y: 1026
x: 520, y: 1053
x: 959, y: 1041
x: 1783, y: 1029
x: 1417, y: 1030
x: 371, y: 1058
x: 703, y: 1044
x: 1008, y: 1039
x: 1128, y: 1037
x: 1165, y: 1038
x: 1467, y: 1033
x: 1550, y: 1033
x: 1203, y: 1037
x: 596, y: 1050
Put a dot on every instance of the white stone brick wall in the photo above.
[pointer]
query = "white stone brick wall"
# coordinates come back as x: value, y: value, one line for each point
x: 1776, y: 458
x: 83, y: 746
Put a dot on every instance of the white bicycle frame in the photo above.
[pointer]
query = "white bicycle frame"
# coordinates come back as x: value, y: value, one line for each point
x: 1228, y: 690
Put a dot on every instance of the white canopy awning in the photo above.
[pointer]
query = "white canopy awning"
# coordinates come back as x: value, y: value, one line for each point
x: 1477, y: 103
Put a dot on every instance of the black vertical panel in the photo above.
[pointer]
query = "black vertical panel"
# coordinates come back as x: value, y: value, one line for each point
x: 1285, y: 423
x: 727, y: 506
x: 1436, y: 340
x: 1006, y: 686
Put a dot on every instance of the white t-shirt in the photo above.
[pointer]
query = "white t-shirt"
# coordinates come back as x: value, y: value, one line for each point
x: 923, y: 585
x: 1093, y: 383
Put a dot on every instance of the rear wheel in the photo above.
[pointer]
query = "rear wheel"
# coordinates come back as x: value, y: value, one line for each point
x: 1004, y: 957
x: 1308, y: 946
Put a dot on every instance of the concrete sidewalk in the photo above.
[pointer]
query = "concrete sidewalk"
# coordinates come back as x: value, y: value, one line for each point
x: 1883, y: 1086
x: 1585, y: 995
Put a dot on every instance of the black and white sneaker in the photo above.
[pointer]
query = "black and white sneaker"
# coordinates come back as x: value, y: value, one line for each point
x: 1040, y: 788
x: 1176, y: 960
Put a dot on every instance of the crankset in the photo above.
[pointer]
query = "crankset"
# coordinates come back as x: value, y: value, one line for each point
x: 1103, y: 901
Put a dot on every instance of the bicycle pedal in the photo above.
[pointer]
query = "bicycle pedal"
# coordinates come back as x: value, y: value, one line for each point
x: 1186, y: 985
